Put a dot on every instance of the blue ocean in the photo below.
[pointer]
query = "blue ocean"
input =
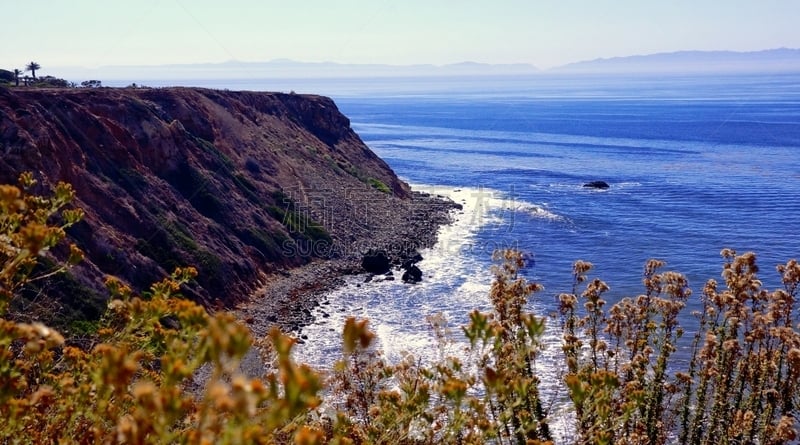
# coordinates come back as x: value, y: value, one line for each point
x: 694, y: 165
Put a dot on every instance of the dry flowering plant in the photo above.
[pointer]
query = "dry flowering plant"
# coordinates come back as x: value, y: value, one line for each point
x: 135, y: 383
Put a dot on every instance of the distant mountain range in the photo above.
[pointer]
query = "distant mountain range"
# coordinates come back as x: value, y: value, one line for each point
x: 772, y: 60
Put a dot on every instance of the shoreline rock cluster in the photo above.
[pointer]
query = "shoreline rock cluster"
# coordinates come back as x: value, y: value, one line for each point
x: 288, y: 298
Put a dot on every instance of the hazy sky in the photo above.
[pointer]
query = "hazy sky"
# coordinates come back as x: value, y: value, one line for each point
x: 95, y: 33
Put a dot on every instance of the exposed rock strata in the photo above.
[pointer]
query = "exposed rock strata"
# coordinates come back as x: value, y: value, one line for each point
x: 246, y: 186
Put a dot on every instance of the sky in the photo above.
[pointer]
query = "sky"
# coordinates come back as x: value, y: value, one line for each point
x: 545, y: 33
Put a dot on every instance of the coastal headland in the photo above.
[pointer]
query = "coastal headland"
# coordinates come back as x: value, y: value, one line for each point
x: 271, y: 196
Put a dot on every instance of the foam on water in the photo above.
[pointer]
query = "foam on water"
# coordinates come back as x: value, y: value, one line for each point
x: 455, y: 280
x: 687, y: 177
x: 537, y: 211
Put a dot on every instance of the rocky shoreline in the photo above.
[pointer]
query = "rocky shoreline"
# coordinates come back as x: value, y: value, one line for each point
x: 287, y: 298
x: 240, y: 184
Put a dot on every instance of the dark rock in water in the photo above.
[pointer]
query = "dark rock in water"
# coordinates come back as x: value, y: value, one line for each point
x: 597, y: 185
x: 413, y: 258
x: 376, y: 261
x: 412, y: 275
x: 529, y: 258
x: 389, y: 278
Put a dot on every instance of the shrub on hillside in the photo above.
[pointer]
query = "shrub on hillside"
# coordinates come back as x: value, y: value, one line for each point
x: 6, y: 76
x: 741, y: 380
x: 52, y: 82
x: 135, y: 382
x: 133, y: 385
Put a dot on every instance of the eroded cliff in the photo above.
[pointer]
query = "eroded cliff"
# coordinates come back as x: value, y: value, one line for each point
x: 239, y: 184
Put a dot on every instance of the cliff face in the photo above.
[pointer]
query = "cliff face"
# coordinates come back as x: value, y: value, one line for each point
x: 239, y: 184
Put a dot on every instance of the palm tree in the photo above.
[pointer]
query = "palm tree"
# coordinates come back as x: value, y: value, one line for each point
x: 32, y: 67
x: 17, y: 73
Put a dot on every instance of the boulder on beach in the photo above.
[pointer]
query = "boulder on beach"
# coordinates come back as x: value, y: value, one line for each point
x: 597, y: 185
x: 412, y: 275
x: 413, y: 258
x: 376, y: 262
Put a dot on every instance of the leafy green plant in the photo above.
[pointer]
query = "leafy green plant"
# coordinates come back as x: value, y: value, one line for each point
x: 299, y: 224
x: 507, y: 343
x: 26, y: 232
x: 132, y: 384
x: 379, y: 185
x: 494, y: 398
